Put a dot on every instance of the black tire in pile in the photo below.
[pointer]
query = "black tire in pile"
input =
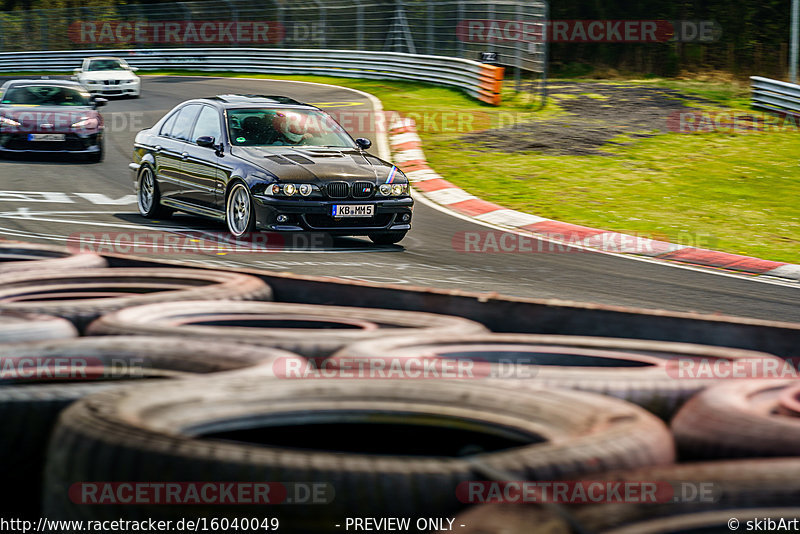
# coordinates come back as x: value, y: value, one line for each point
x: 25, y: 257
x: 700, y: 490
x: 307, y: 329
x: 17, y: 327
x: 85, y: 294
x: 743, y: 418
x: 386, y: 448
x: 697, y: 488
x: 38, y: 380
x: 645, y: 372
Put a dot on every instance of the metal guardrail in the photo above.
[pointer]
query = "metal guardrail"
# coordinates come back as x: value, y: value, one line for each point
x: 478, y: 79
x: 775, y: 95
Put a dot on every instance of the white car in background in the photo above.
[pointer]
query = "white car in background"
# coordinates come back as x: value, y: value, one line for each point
x: 108, y: 76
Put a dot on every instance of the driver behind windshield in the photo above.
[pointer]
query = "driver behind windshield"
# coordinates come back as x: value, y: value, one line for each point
x: 286, y: 127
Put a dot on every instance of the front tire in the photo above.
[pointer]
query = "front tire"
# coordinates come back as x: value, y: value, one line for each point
x: 148, y: 196
x: 239, y: 211
x: 387, y: 238
x: 97, y: 157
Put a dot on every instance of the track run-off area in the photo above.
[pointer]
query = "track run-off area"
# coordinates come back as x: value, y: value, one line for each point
x: 47, y: 200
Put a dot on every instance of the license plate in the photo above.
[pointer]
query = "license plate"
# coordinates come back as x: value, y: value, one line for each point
x: 353, y: 210
x: 46, y: 137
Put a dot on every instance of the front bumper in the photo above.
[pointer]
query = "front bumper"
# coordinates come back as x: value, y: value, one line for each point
x: 314, y: 215
x: 17, y: 143
x: 121, y: 89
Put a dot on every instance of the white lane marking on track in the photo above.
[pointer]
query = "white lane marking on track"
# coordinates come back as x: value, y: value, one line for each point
x: 449, y: 196
x: 55, y: 197
x: 59, y: 212
x: 33, y: 216
x: 185, y: 231
x: 509, y: 218
x: 58, y: 197
x: 99, y: 198
x: 409, y: 155
x: 409, y: 137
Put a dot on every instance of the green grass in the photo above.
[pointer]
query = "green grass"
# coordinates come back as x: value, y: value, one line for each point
x: 737, y: 192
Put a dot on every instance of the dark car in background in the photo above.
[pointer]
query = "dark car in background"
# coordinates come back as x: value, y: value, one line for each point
x: 55, y: 116
x: 271, y: 163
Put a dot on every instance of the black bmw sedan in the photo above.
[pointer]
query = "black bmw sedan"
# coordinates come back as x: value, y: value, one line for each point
x: 56, y: 116
x: 268, y: 163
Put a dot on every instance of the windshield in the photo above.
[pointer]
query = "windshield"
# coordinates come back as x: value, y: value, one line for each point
x: 285, y: 127
x: 106, y: 64
x: 46, y: 95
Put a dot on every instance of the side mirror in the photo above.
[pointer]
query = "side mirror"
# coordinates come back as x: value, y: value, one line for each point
x: 76, y: 71
x: 99, y: 102
x: 363, y: 143
x: 205, y: 141
x: 134, y: 69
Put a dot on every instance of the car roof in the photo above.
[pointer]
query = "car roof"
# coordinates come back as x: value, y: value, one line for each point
x: 43, y: 81
x: 104, y: 57
x: 234, y: 100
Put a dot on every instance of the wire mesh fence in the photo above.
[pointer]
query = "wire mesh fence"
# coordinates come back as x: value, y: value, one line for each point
x: 512, y: 29
x: 508, y: 33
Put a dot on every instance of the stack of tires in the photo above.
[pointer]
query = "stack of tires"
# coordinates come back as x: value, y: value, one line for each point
x: 179, y: 394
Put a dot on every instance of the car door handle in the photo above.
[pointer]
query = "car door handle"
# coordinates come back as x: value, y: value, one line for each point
x: 184, y: 155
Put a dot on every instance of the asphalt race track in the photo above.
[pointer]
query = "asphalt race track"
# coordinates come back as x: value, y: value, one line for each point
x: 48, y: 200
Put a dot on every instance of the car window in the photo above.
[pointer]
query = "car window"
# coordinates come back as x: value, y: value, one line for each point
x: 184, y: 122
x: 287, y: 127
x: 105, y: 64
x: 46, y: 95
x: 166, y: 128
x: 207, y: 124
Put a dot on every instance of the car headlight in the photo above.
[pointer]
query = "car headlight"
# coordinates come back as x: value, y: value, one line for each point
x: 92, y: 82
x: 5, y: 121
x: 86, y: 122
x: 393, y: 190
x: 288, y: 190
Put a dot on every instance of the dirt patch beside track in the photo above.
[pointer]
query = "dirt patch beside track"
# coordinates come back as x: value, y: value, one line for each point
x: 598, y: 113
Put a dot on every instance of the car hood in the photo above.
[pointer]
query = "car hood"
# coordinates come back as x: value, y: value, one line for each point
x: 107, y: 75
x: 59, y: 117
x: 316, y: 164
